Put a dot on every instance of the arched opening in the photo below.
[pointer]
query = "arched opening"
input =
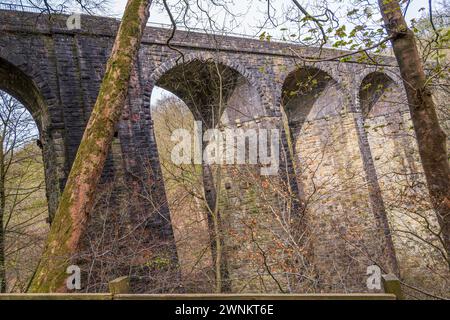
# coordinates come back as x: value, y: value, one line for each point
x: 15, y: 82
x: 183, y: 185
x: 202, y: 88
x: 323, y: 143
x: 394, y: 149
x: 388, y: 126
x: 23, y: 202
x: 316, y: 92
x: 312, y: 103
x: 378, y: 96
x: 28, y: 172
x: 208, y: 202
x: 310, y: 99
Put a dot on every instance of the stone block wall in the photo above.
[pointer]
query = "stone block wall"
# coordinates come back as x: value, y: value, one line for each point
x: 57, y: 73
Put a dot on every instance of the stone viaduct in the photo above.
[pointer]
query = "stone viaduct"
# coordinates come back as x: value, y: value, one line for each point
x: 56, y: 73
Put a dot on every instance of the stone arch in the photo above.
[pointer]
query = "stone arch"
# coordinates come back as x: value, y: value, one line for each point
x: 298, y: 100
x: 387, y: 123
x: 23, y: 82
x: 324, y: 68
x: 17, y: 81
x: 245, y: 84
x: 375, y: 86
x: 393, y: 148
x: 328, y: 166
x: 165, y: 67
x: 390, y: 72
x: 307, y: 85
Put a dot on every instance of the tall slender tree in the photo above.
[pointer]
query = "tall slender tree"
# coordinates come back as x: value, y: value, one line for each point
x: 430, y: 137
x: 77, y: 199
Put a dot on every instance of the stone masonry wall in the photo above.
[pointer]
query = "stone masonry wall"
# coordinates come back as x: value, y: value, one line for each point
x: 57, y: 73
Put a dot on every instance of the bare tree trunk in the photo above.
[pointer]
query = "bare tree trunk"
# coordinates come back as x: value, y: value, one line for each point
x: 431, y: 139
x: 77, y: 199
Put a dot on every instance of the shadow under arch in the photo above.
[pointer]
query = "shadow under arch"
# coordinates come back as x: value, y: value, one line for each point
x: 380, y: 110
x: 199, y: 72
x: 374, y: 87
x: 14, y: 80
x: 217, y: 93
x: 309, y: 93
x: 319, y: 120
x: 385, y: 113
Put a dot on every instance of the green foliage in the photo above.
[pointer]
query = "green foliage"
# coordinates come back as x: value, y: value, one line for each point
x: 158, y: 263
x: 265, y: 36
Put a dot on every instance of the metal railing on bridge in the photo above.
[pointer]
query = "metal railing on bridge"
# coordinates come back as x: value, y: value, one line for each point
x: 31, y: 9
x: 19, y: 7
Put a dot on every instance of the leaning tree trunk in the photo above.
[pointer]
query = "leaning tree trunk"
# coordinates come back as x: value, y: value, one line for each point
x: 430, y: 137
x: 77, y: 199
